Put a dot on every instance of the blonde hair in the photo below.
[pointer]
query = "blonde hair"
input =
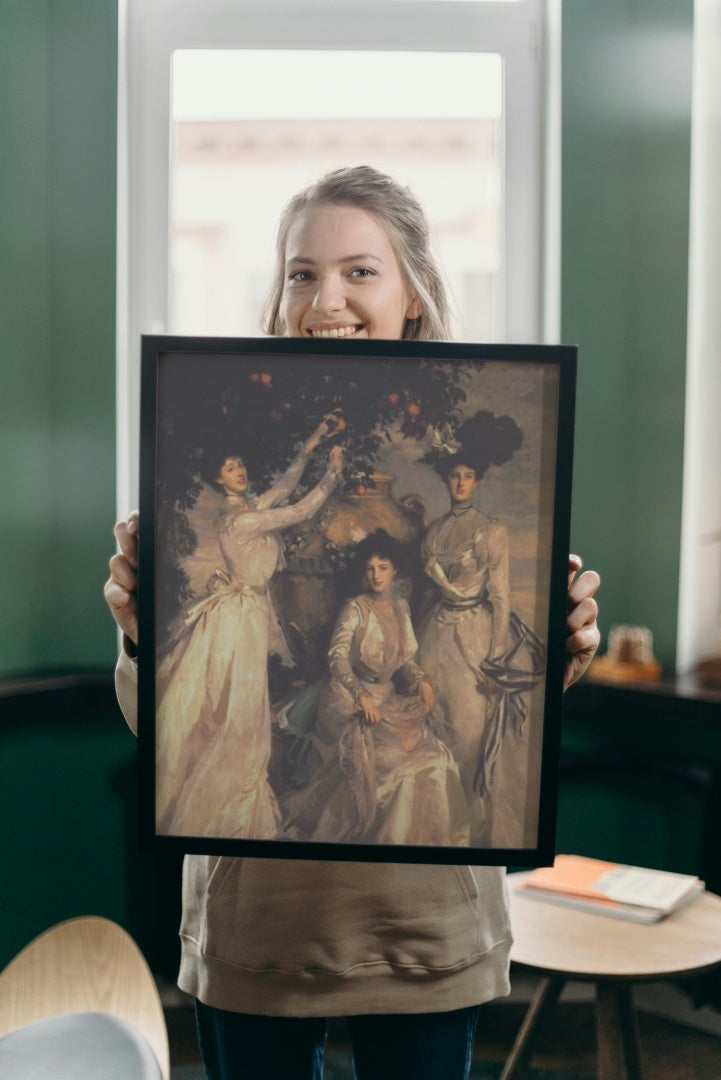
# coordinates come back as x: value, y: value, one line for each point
x: 403, y: 217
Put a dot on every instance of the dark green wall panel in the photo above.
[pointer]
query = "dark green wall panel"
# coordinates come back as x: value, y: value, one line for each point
x: 626, y: 145
x: 58, y: 78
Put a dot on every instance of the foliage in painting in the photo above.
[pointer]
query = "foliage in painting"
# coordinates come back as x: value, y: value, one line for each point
x: 261, y: 408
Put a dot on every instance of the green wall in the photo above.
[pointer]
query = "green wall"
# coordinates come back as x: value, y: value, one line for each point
x: 58, y: 73
x: 626, y: 146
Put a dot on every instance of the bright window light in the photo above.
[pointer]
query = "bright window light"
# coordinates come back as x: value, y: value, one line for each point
x: 251, y: 127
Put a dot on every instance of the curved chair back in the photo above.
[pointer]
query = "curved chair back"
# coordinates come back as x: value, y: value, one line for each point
x: 87, y: 964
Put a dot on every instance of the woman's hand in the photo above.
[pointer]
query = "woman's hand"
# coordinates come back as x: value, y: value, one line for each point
x: 314, y: 440
x: 484, y: 685
x: 426, y: 694
x: 582, y: 633
x: 121, y: 587
x: 335, y: 458
x: 371, y: 715
x: 329, y: 426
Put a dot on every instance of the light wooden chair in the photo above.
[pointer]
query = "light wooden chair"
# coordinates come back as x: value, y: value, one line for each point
x: 83, y: 970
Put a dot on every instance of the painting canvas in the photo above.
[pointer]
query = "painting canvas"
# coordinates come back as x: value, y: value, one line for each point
x: 353, y: 572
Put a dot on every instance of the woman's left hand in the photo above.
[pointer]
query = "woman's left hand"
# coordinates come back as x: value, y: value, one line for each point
x: 426, y: 694
x: 582, y: 633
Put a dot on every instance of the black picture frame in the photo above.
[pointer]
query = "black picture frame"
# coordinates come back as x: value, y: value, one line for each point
x: 469, y: 776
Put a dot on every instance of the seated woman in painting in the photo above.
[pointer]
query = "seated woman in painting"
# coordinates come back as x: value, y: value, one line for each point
x: 385, y: 776
x: 213, y: 722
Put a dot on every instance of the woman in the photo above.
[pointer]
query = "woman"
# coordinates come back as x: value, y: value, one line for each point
x: 466, y: 556
x: 272, y: 948
x: 385, y: 777
x: 213, y: 723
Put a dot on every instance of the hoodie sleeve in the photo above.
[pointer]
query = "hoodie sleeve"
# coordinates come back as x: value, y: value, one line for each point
x: 126, y: 689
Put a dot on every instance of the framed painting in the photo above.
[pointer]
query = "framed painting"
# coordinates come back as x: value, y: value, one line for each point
x: 352, y: 597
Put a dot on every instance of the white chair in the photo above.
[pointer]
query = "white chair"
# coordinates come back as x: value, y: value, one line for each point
x: 80, y: 1002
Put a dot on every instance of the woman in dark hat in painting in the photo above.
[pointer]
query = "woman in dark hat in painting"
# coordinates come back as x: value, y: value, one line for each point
x: 466, y: 556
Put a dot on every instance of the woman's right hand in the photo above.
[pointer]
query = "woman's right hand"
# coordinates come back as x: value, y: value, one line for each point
x: 121, y: 587
x: 371, y: 715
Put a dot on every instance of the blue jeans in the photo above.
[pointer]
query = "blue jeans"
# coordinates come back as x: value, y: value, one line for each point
x: 414, y: 1046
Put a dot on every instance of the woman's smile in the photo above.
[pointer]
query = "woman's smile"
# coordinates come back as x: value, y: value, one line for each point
x: 335, y: 331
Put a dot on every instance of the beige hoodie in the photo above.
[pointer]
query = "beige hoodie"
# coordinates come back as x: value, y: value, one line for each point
x: 286, y: 937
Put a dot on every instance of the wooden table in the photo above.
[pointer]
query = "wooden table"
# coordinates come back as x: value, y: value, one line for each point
x: 563, y: 944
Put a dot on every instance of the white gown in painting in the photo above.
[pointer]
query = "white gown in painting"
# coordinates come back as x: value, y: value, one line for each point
x: 213, y: 723
x: 466, y: 555
x: 394, y: 782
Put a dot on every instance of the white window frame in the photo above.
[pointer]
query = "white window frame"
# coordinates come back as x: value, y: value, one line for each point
x: 526, y: 34
x: 699, y: 597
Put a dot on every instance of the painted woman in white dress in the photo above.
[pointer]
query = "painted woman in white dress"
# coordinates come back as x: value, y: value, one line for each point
x: 213, y: 722
x: 466, y: 555
x: 384, y: 777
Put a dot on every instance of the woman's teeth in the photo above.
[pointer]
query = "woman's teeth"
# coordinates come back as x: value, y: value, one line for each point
x: 336, y: 332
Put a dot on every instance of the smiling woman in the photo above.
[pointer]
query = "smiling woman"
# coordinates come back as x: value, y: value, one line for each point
x: 271, y: 947
x: 353, y: 259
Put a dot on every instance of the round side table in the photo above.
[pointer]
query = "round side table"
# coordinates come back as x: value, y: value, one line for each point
x: 563, y: 944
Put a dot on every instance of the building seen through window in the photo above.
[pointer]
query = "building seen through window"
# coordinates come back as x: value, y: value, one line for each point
x: 233, y: 170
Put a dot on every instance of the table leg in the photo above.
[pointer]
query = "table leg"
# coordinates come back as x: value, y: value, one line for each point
x: 545, y: 997
x: 617, y: 1033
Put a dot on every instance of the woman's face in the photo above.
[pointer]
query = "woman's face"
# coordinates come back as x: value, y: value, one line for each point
x: 342, y: 277
x: 461, y: 482
x: 379, y: 574
x: 233, y: 476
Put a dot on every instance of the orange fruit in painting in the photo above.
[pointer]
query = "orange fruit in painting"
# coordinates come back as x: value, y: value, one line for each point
x: 413, y: 409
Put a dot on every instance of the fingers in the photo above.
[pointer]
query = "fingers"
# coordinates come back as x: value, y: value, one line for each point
x: 581, y: 648
x: 121, y: 587
x: 427, y: 695
x: 584, y: 586
x: 583, y: 613
x: 123, y: 607
x: 575, y: 563
x: 126, y: 534
x: 371, y: 714
x: 582, y: 633
x: 585, y: 640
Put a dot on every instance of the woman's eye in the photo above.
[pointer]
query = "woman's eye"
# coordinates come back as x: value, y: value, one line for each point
x: 362, y: 272
x: 300, y: 276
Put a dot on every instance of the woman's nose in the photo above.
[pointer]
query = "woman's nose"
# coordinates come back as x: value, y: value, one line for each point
x: 329, y: 295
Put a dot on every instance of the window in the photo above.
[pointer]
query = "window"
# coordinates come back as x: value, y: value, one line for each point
x: 227, y: 107
x: 236, y: 160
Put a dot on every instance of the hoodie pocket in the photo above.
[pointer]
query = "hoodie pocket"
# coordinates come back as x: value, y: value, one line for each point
x: 302, y: 916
